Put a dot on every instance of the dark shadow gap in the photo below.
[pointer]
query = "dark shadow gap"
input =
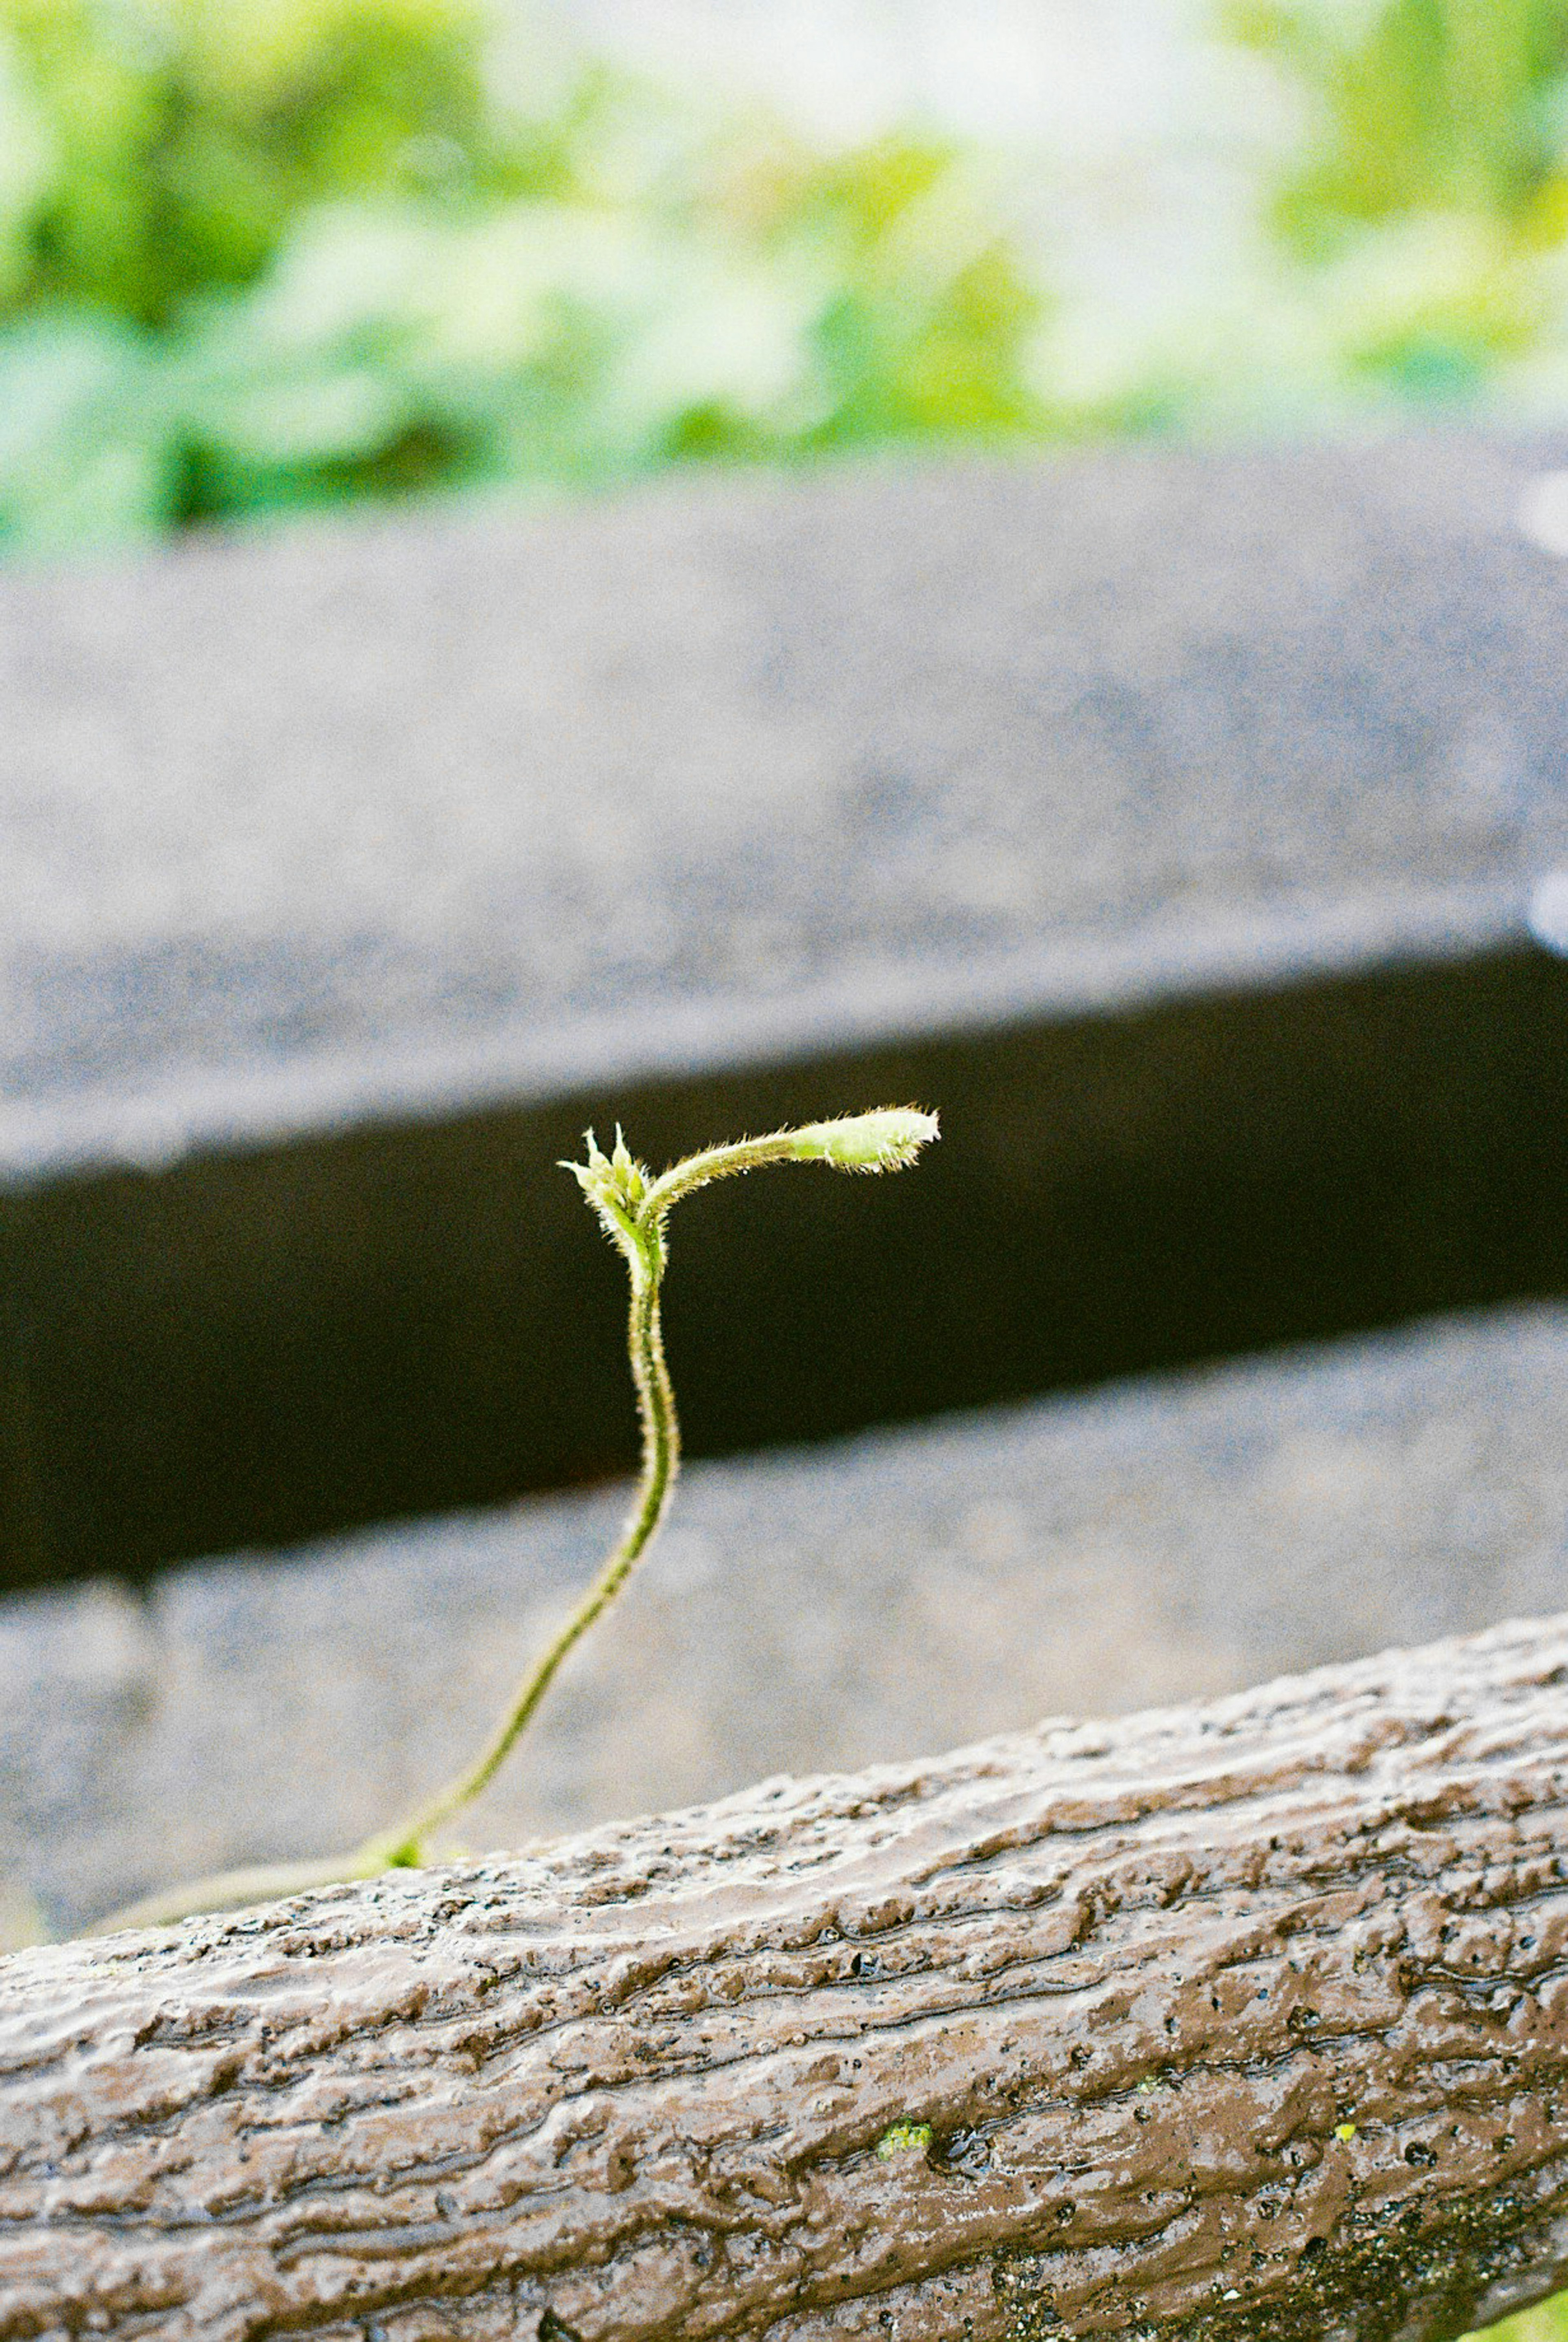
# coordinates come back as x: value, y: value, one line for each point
x: 249, y: 1349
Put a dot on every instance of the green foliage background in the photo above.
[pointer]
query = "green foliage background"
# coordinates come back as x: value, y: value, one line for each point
x: 262, y: 256
x: 1547, y: 2324
x: 259, y: 256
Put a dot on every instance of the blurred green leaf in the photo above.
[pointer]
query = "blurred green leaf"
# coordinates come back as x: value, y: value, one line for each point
x: 187, y: 135
x: 1414, y: 106
x: 336, y: 248
x: 1549, y: 2323
x: 89, y: 442
x: 260, y: 256
x: 26, y: 171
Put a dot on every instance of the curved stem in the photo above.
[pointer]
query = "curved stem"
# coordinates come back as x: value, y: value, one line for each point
x: 633, y: 1208
x: 403, y: 1848
x: 233, y: 1890
x: 660, y: 1461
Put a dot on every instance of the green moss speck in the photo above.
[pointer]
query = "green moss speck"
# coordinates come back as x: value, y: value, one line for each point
x: 904, y: 2139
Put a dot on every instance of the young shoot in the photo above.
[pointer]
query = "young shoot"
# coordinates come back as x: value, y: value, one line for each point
x: 633, y: 1209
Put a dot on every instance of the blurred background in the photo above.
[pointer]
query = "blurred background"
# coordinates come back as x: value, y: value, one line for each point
x: 1187, y: 820
x: 257, y: 256
x: 1189, y: 824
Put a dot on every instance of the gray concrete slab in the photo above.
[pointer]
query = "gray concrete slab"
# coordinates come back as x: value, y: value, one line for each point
x: 309, y: 825
x: 899, y: 1593
x: 1172, y: 821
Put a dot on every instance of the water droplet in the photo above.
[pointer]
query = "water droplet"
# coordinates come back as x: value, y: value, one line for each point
x: 1542, y: 512
x: 1548, y: 912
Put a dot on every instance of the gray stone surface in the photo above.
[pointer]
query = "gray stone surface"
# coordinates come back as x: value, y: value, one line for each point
x: 1169, y: 821
x: 300, y: 828
x: 897, y: 1594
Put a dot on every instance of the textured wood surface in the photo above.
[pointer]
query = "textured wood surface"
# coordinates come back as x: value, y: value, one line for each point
x: 1244, y: 2020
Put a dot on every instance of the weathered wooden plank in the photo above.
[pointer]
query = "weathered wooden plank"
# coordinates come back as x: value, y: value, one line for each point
x: 1248, y: 2018
x: 1170, y: 819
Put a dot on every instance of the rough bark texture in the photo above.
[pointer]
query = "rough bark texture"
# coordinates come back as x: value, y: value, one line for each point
x: 1242, y: 2020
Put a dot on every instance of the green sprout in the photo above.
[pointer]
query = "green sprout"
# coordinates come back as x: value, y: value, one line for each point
x: 633, y: 1208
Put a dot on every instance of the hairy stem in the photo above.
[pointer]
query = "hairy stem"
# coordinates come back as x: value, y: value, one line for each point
x: 633, y: 1208
x: 403, y: 1847
x: 232, y: 1890
x: 661, y: 1460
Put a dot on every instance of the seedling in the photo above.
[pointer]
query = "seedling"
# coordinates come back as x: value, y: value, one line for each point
x: 633, y: 1208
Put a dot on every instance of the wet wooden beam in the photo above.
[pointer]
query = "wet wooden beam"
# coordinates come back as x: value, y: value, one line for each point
x: 1241, y: 2019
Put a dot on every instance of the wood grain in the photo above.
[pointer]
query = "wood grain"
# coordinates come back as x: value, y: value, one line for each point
x: 1247, y: 2019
